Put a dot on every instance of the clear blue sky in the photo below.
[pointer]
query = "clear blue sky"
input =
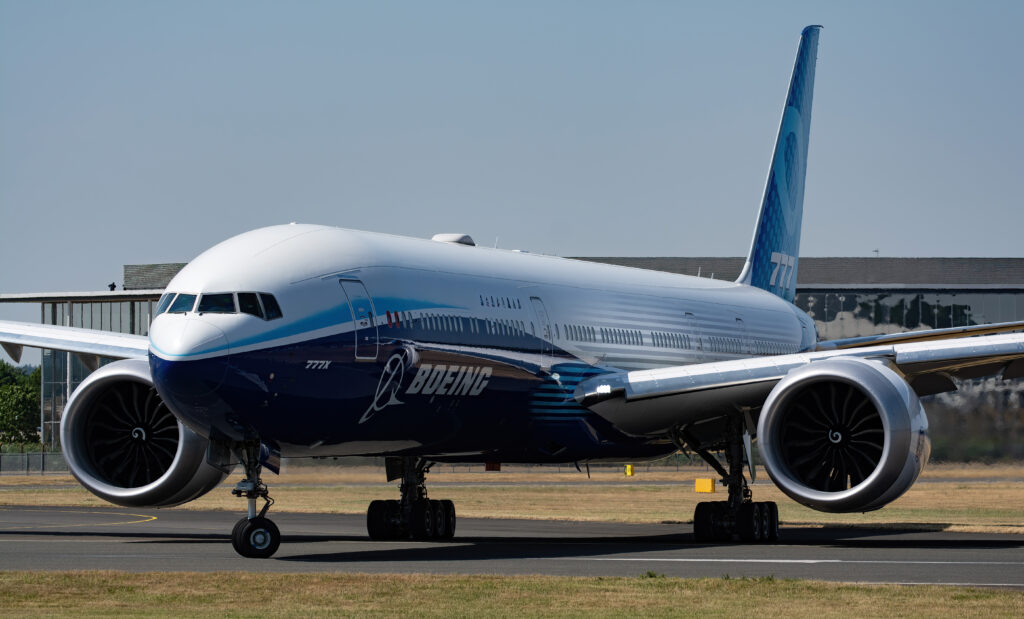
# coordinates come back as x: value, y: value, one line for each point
x: 136, y: 132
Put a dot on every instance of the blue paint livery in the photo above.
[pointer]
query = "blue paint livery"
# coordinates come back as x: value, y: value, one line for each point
x: 775, y: 250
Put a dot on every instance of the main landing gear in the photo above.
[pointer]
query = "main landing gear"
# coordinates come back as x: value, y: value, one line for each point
x: 414, y: 515
x: 740, y: 516
x: 254, y: 536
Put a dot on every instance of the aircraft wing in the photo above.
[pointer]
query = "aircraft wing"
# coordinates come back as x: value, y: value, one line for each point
x: 88, y: 344
x: 921, y: 336
x: 650, y: 402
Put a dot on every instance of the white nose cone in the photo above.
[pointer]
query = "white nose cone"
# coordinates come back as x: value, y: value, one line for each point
x: 185, y: 337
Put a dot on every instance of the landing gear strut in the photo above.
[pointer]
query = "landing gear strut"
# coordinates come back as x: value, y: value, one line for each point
x: 254, y: 536
x: 720, y: 521
x: 414, y: 515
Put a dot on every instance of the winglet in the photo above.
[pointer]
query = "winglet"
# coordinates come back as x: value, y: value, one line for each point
x: 772, y: 262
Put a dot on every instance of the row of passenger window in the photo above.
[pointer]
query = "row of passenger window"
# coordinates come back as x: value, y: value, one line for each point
x: 622, y: 336
x: 260, y: 304
x: 428, y: 321
x: 725, y: 344
x: 577, y: 333
x: 516, y: 328
x: 757, y: 347
x: 664, y: 339
x: 670, y: 340
x: 762, y: 347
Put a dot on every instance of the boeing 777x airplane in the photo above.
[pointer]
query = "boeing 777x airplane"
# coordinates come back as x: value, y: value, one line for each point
x: 302, y: 340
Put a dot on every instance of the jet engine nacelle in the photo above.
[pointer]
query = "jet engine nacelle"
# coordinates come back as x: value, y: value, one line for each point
x: 125, y: 446
x: 843, y: 435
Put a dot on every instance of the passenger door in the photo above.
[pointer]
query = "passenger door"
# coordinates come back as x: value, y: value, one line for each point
x: 543, y: 325
x: 364, y: 321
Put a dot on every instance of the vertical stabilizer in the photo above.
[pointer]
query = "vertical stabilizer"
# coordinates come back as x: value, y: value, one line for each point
x: 774, y: 252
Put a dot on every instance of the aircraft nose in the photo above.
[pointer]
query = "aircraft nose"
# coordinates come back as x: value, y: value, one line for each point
x: 186, y: 337
x: 181, y: 344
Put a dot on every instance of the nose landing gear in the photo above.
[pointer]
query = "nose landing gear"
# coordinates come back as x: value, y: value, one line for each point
x: 415, y: 515
x: 254, y: 536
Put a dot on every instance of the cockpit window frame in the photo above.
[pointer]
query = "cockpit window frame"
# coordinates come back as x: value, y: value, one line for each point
x: 173, y: 299
x: 171, y: 309
x: 220, y: 309
x: 258, y: 308
x: 267, y: 312
x: 165, y: 302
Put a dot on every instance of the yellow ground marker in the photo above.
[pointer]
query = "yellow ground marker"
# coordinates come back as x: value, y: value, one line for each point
x: 704, y: 485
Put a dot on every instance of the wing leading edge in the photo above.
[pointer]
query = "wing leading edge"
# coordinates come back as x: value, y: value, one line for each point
x: 651, y: 402
x: 88, y: 344
x: 921, y: 336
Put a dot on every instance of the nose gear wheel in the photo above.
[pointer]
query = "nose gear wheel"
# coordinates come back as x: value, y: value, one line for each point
x: 255, y: 536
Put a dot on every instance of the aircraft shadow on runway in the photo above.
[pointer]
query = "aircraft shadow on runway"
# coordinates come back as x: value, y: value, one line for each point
x: 490, y: 546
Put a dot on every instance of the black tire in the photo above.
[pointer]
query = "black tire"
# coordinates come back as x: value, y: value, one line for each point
x: 720, y: 518
x: 236, y: 530
x: 440, y: 521
x: 258, y: 538
x: 395, y: 527
x: 748, y: 523
x: 704, y: 522
x: 449, y: 514
x: 771, y: 534
x: 421, y: 525
x: 765, y: 517
x: 377, y: 520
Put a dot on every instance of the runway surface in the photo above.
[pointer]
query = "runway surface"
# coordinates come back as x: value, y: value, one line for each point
x: 45, y: 538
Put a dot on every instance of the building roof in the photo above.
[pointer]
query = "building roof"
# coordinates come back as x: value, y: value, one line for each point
x: 149, y: 280
x: 94, y: 296
x: 861, y: 272
x: 143, y: 276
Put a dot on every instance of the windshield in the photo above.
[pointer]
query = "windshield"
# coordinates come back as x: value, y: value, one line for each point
x: 165, y: 300
x: 217, y: 303
x: 272, y: 309
x: 183, y: 303
x: 249, y: 304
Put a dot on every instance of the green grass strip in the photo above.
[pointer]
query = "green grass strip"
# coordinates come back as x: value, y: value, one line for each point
x: 31, y: 594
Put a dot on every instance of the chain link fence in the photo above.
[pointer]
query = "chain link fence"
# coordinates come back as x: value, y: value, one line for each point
x: 33, y: 463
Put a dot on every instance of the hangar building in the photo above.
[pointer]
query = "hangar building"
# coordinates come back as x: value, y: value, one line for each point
x: 847, y: 297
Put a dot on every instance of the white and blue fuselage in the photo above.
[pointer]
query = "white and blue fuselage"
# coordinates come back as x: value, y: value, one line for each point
x: 387, y: 344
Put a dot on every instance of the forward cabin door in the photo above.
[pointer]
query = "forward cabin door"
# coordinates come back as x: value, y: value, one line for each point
x: 364, y: 321
x: 543, y: 330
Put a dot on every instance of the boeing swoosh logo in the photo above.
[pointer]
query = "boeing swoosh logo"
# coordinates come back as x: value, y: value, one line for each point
x: 389, y: 384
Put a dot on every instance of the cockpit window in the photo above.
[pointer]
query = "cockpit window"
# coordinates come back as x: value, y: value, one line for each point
x: 165, y: 301
x: 182, y: 303
x: 217, y: 303
x: 249, y: 304
x: 270, y: 306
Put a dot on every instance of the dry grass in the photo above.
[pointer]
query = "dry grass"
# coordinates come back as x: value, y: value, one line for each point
x: 28, y: 594
x: 343, y: 475
x: 988, y: 506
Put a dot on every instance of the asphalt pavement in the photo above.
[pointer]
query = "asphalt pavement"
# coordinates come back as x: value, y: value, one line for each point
x: 62, y: 538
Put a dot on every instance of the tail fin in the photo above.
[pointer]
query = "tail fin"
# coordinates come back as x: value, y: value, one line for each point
x: 772, y: 262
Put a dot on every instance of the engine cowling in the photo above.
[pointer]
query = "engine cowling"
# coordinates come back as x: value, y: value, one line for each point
x: 125, y: 446
x: 843, y: 435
